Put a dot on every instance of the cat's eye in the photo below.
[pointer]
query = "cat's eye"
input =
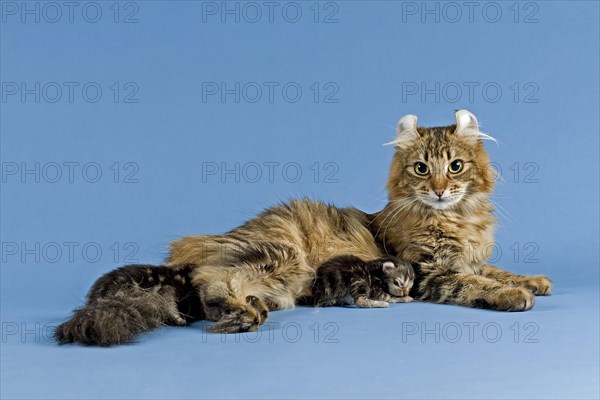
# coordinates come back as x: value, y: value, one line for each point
x: 456, y: 166
x: 421, y: 169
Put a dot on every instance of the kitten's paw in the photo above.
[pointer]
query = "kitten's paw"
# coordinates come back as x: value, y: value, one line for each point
x: 380, y: 304
x: 368, y: 303
x: 404, y: 299
x: 538, y: 284
x: 242, y: 318
x: 511, y: 299
x: 178, y: 320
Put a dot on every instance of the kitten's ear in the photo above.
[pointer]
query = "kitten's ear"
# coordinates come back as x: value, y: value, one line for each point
x: 468, y: 127
x: 388, y: 266
x: 406, y: 130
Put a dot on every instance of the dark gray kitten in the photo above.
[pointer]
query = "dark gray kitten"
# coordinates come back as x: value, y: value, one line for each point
x: 351, y: 280
x: 131, y: 300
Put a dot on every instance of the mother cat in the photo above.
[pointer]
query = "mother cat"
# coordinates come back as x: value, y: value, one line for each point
x: 438, y: 216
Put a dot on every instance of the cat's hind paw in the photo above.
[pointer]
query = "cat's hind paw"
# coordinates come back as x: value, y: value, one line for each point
x: 235, y: 322
x: 242, y: 318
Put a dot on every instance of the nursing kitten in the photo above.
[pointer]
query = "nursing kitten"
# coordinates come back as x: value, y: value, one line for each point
x: 130, y: 300
x: 348, y: 280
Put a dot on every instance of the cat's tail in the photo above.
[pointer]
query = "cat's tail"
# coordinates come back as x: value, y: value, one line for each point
x: 115, y: 319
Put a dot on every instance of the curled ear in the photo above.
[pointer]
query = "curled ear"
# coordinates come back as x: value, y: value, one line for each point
x: 406, y: 130
x: 388, y: 266
x: 466, y: 122
x: 467, y: 126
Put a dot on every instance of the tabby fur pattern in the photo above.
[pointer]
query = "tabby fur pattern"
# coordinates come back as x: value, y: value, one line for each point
x: 349, y: 280
x: 439, y: 218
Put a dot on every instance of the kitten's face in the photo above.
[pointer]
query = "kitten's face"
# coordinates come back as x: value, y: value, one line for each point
x: 399, y: 276
x: 439, y: 168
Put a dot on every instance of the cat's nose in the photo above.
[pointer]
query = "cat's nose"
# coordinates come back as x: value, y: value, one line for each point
x: 439, y: 192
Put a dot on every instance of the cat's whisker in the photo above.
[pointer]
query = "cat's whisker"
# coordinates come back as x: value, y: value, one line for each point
x: 394, y: 217
x: 382, y: 199
x: 397, y: 206
x: 378, y: 214
x: 393, y: 128
x: 502, y: 212
x: 396, y: 203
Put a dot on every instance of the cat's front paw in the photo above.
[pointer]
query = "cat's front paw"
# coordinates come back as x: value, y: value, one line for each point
x: 511, y: 299
x: 538, y: 284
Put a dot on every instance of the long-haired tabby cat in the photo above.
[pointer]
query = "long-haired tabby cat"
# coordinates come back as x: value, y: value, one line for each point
x: 439, y: 216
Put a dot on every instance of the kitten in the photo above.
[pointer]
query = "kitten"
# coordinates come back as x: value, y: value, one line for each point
x: 137, y: 298
x: 351, y: 280
x: 130, y: 300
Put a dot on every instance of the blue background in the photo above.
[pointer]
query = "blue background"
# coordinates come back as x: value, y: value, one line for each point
x: 369, y: 54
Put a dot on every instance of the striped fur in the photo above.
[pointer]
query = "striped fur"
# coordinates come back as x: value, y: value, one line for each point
x: 131, y: 300
x: 272, y: 257
x: 347, y: 280
x: 449, y: 240
x: 439, y: 218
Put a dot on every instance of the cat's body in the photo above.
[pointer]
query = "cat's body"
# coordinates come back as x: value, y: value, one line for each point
x: 349, y: 280
x: 273, y: 257
x: 439, y: 216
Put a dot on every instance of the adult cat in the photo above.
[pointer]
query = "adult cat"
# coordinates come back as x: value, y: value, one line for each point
x: 439, y: 216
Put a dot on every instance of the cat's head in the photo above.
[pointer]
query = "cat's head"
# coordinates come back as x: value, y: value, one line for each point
x: 440, y: 168
x: 399, y: 276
